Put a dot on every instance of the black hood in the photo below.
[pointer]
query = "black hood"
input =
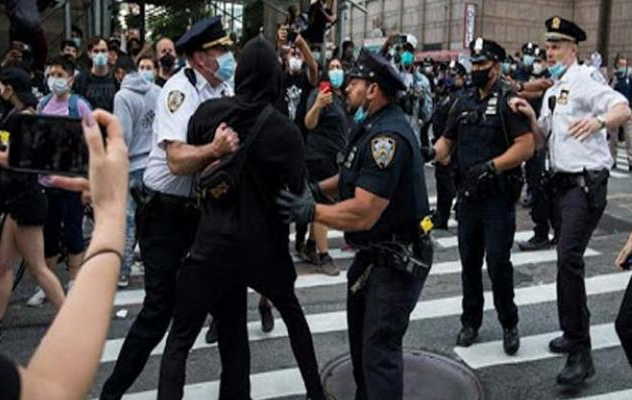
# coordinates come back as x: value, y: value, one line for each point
x: 258, y: 78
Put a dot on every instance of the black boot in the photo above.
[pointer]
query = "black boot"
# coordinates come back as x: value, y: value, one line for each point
x: 560, y: 345
x: 579, y: 367
x: 467, y: 336
x: 309, y: 253
x: 511, y: 340
x: 211, y: 334
x: 534, y: 244
x: 267, y: 320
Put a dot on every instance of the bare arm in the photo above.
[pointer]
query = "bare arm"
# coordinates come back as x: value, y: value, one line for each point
x: 313, y: 115
x: 357, y: 214
x: 186, y: 159
x: 312, y: 63
x: 520, y: 151
x: 443, y: 148
x: 617, y: 116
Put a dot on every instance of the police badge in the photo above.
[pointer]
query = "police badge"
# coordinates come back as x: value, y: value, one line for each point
x: 175, y: 100
x: 383, y: 150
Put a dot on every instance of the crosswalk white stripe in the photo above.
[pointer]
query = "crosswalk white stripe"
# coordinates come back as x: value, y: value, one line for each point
x: 619, y: 175
x: 619, y: 395
x: 131, y: 297
x: 337, y: 320
x: 453, y: 241
x: 267, y: 385
x: 532, y: 348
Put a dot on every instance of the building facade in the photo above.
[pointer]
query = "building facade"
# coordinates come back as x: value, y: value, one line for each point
x: 449, y: 24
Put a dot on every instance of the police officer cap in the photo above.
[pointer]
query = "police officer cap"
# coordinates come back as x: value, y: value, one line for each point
x: 560, y: 29
x: 375, y: 68
x: 457, y: 67
x: 529, y: 48
x: 540, y: 54
x: 205, y: 34
x: 486, y: 50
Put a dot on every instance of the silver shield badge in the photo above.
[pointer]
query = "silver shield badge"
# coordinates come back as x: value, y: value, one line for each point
x: 383, y: 150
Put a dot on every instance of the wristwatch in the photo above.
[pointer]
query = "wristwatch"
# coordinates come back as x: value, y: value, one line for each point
x: 602, y: 121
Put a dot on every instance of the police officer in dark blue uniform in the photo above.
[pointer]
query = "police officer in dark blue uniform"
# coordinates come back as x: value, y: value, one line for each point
x: 489, y: 142
x: 383, y: 198
x: 445, y: 174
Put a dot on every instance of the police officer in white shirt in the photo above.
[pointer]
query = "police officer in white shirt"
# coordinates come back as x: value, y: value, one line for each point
x: 167, y: 218
x: 577, y: 112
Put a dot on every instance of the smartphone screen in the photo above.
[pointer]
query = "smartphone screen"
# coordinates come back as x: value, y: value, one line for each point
x: 47, y: 144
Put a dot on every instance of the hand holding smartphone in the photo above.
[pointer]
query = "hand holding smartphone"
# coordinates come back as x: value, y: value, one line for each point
x: 47, y: 144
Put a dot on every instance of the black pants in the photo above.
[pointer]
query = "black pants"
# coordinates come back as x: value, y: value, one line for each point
x: 578, y: 221
x: 378, y: 317
x: 446, y: 191
x: 623, y: 323
x: 165, y: 230
x: 543, y: 211
x: 210, y: 283
x: 486, y: 229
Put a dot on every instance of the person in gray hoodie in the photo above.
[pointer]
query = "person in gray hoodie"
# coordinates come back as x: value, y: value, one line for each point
x: 135, y: 106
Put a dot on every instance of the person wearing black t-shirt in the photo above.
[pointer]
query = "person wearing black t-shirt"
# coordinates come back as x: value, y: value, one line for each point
x: 97, y: 85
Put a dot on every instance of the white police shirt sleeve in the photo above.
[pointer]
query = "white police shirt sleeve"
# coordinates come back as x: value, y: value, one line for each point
x: 599, y: 97
x: 175, y: 107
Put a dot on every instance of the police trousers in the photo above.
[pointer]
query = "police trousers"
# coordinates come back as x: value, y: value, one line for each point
x: 377, y: 318
x: 446, y: 191
x: 543, y: 212
x: 486, y: 229
x: 165, y: 229
x: 578, y: 220
x: 214, y: 284
x: 623, y: 323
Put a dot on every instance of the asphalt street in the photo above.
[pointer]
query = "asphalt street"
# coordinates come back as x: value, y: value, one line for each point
x: 434, y: 323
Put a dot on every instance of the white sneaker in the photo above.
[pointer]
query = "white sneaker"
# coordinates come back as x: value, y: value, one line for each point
x: 38, y: 299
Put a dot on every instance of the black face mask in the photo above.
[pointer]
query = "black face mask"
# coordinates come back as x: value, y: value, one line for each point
x: 167, y: 61
x: 481, y: 78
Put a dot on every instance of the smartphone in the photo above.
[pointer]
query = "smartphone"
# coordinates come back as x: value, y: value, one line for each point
x: 47, y: 144
x: 325, y: 86
x: 291, y: 36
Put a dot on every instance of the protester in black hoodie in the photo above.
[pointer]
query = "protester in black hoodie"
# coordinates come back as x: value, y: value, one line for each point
x: 217, y: 271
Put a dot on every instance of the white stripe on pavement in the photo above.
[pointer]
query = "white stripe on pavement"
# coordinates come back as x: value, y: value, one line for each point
x: 619, y: 175
x: 337, y: 321
x: 267, y: 385
x: 132, y: 297
x: 620, y: 395
x: 532, y: 348
x: 453, y: 241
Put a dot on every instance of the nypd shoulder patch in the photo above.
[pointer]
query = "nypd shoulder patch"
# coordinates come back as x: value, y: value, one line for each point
x: 383, y: 150
x: 175, y: 98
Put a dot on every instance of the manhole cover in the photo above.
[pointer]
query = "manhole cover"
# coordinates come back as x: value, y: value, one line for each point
x: 427, y: 376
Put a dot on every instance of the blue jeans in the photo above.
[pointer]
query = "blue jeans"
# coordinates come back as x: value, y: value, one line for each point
x: 135, y: 181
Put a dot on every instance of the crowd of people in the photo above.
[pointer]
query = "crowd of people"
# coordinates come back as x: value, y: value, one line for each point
x: 227, y: 145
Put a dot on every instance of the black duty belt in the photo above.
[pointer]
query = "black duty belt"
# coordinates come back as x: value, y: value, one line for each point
x: 170, y: 199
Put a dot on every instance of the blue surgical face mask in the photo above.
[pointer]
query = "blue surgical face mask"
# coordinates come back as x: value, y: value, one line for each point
x: 360, y: 115
x: 557, y: 70
x: 58, y: 86
x: 148, y: 75
x: 506, y: 68
x: 528, y: 60
x: 226, y: 66
x: 100, y: 59
x: 336, y: 77
x: 407, y: 58
x: 622, y: 71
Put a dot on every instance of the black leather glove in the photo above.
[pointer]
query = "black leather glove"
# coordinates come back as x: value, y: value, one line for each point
x: 428, y: 154
x: 319, y: 195
x: 296, y: 208
x: 481, y: 172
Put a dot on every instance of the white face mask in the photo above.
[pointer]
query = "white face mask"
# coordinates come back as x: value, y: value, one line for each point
x: 295, y: 64
x: 58, y: 86
x: 538, y: 68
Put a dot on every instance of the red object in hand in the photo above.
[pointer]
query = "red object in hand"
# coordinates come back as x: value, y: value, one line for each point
x: 325, y: 87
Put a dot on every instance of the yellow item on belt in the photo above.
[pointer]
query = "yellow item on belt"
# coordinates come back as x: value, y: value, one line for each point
x: 4, y: 137
x: 426, y: 225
